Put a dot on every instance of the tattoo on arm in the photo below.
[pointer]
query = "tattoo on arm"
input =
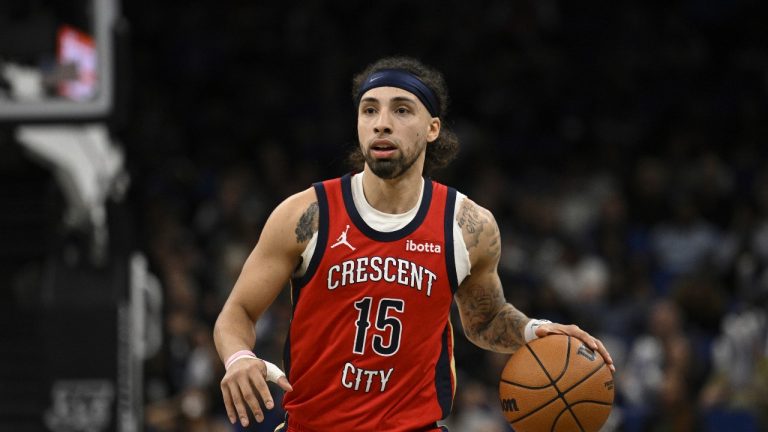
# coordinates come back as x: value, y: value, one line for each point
x: 489, y: 321
x: 505, y: 333
x: 469, y: 221
x: 307, y: 223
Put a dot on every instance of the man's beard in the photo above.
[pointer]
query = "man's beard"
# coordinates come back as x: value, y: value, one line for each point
x: 388, y: 169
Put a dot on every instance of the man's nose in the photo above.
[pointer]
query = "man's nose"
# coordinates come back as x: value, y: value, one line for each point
x: 383, y: 123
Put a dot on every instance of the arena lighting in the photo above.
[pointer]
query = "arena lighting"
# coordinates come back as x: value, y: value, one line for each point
x: 90, y: 50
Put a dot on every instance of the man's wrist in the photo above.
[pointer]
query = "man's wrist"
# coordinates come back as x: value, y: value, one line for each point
x: 239, y: 355
x: 530, y: 328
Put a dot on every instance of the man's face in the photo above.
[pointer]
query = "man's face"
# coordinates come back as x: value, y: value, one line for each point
x: 394, y: 128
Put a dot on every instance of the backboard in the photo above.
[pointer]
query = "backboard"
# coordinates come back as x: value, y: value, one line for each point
x: 56, y: 59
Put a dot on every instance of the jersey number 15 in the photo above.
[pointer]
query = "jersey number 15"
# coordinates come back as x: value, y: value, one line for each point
x: 384, y: 321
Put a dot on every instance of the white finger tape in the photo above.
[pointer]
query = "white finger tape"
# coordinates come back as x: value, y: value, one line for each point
x: 273, y: 372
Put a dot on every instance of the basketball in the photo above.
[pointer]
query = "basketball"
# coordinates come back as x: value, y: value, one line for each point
x: 556, y: 383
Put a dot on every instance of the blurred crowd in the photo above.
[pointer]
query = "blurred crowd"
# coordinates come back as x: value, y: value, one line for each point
x: 621, y: 147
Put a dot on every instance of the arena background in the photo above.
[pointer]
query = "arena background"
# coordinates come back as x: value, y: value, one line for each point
x: 620, y: 145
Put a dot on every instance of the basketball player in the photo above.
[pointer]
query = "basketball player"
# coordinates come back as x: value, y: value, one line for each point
x: 375, y: 259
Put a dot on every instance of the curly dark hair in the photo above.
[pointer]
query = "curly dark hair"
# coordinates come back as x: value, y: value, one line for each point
x: 445, y: 148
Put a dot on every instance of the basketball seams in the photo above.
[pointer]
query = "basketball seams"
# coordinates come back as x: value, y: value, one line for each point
x: 554, y: 422
x: 592, y: 402
x: 584, y: 378
x: 567, y: 361
x: 561, y: 395
x: 557, y: 417
x: 512, y: 383
x: 532, y: 412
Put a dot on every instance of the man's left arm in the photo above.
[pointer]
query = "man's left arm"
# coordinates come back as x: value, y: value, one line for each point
x: 489, y: 321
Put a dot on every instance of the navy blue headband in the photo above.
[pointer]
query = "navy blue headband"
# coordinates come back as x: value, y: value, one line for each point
x: 404, y: 80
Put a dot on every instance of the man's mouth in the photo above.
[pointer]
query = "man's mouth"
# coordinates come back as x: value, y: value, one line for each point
x: 383, y: 149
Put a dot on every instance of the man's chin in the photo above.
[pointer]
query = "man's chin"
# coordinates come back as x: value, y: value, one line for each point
x: 384, y: 169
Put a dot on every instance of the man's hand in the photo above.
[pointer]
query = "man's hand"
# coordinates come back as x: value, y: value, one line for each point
x: 574, y: 330
x: 238, y: 384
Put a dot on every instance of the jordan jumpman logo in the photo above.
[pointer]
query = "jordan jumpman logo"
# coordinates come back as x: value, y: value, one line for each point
x: 342, y: 240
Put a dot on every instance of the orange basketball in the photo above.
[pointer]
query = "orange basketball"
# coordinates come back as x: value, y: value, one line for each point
x: 556, y: 384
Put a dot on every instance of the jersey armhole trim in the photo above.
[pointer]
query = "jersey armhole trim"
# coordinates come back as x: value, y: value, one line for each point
x: 322, y: 240
x: 450, y: 258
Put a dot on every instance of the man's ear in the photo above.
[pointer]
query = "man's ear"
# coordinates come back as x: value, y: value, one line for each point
x: 434, y: 129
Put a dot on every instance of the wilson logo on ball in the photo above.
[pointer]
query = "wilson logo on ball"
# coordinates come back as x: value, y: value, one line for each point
x: 586, y: 353
x: 509, y: 405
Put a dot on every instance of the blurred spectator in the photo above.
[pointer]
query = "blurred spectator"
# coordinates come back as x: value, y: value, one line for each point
x: 579, y: 278
x: 655, y: 380
x: 685, y: 243
x: 739, y: 380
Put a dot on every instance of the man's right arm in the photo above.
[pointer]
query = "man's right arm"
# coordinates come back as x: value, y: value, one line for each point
x: 265, y: 272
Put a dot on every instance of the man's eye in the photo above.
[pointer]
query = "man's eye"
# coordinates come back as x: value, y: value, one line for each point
x: 402, y: 110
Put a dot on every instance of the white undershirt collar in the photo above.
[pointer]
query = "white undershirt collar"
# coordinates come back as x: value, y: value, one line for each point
x: 378, y: 220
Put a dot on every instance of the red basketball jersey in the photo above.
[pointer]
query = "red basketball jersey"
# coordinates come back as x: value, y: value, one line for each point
x: 370, y: 346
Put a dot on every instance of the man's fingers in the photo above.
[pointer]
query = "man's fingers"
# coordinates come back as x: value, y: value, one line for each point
x: 555, y: 328
x: 276, y: 375
x: 606, y: 355
x: 596, y: 345
x: 273, y: 373
x: 575, y: 331
x: 585, y: 337
x: 229, y: 404
x: 284, y: 384
x: 251, y: 400
x: 237, y: 399
x: 266, y: 395
x: 246, y: 387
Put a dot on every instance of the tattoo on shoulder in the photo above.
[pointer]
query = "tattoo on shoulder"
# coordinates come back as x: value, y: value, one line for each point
x: 468, y: 216
x: 471, y: 222
x: 308, y: 223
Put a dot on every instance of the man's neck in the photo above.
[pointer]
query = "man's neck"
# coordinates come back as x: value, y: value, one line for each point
x: 393, y: 196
